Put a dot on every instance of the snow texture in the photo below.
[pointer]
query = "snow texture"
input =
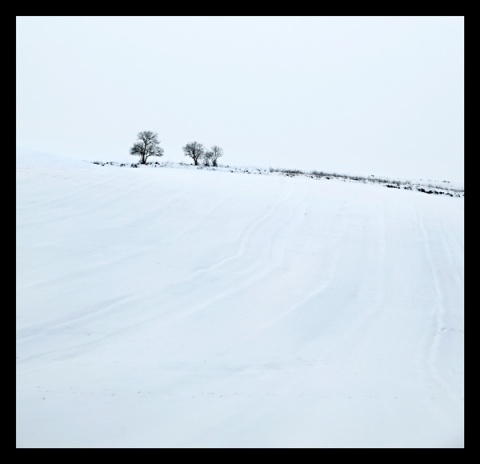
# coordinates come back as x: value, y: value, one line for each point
x: 186, y: 308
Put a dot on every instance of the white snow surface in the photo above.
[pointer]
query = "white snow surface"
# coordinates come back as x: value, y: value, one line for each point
x: 187, y: 308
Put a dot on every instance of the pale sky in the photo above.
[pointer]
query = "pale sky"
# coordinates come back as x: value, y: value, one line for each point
x: 358, y: 95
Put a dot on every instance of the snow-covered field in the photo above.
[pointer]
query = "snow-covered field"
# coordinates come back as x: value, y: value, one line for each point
x: 193, y: 308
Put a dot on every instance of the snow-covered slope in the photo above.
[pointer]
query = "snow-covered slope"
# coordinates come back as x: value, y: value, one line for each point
x: 191, y: 308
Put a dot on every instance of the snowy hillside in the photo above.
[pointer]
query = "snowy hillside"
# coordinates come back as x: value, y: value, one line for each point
x: 427, y: 186
x: 193, y: 308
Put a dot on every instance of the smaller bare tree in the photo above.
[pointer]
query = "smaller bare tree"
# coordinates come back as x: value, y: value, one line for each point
x: 216, y: 153
x: 194, y: 150
x: 207, y: 157
x: 148, y: 145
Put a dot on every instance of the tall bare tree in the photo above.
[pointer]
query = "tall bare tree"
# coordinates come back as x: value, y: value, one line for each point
x: 194, y: 150
x: 148, y: 145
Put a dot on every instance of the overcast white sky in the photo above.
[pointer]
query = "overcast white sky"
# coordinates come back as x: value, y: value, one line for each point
x: 357, y: 95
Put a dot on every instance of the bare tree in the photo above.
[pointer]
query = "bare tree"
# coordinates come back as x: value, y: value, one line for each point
x: 216, y: 153
x: 148, y: 145
x: 194, y: 150
x: 207, y: 157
